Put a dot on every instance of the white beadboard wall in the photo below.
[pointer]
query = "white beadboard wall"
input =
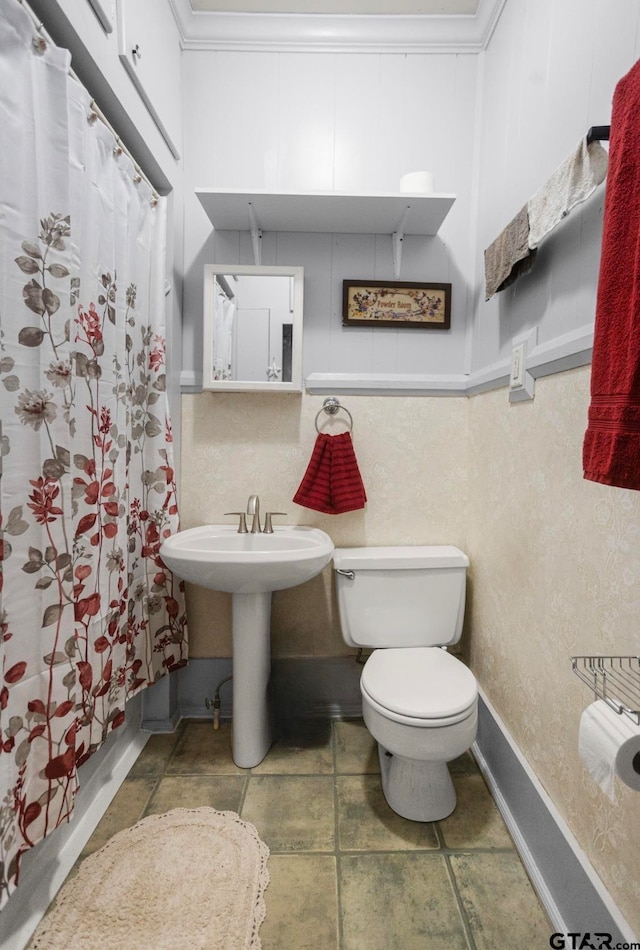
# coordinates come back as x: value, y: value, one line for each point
x: 334, y: 121
x: 491, y: 126
x: 548, y: 75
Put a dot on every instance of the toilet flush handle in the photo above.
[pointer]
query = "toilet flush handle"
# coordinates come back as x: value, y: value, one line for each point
x: 350, y: 574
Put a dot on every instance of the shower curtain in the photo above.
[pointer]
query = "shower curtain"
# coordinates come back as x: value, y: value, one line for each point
x: 89, y: 613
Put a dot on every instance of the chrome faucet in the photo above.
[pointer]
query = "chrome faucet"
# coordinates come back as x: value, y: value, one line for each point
x: 253, y: 508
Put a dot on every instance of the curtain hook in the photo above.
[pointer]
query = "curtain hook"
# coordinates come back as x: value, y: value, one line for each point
x: 39, y: 43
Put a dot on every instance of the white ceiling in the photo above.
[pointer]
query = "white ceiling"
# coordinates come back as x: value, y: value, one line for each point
x: 351, y: 7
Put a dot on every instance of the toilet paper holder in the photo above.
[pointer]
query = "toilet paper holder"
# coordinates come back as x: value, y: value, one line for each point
x: 615, y: 679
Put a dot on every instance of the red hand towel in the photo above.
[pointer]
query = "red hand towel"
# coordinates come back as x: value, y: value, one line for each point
x: 332, y: 482
x: 611, y: 451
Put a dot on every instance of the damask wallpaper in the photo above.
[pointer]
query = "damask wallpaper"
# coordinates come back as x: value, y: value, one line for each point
x: 555, y: 572
x: 412, y: 454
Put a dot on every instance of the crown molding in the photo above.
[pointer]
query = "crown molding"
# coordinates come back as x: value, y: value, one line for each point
x: 283, y: 32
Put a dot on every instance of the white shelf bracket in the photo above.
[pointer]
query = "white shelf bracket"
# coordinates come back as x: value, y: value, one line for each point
x: 397, y: 238
x: 256, y: 236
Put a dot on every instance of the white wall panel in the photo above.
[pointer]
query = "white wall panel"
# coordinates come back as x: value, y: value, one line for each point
x: 550, y: 72
x: 306, y: 130
x: 370, y: 135
x: 346, y: 122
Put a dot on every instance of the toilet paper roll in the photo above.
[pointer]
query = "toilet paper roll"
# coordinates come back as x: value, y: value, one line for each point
x: 417, y: 182
x: 609, y: 745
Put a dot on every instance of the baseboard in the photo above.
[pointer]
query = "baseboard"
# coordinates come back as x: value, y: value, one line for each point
x: 300, y: 687
x: 45, y: 867
x: 573, y: 895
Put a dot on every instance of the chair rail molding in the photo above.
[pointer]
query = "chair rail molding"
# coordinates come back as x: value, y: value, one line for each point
x: 554, y: 356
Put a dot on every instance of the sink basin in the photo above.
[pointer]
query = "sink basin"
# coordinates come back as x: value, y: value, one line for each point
x: 250, y: 567
x: 218, y: 557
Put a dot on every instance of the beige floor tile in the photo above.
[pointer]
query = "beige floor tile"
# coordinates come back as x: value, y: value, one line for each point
x: 302, y: 903
x: 155, y: 756
x: 223, y: 792
x: 501, y: 905
x: 202, y: 750
x: 396, y: 890
x: 356, y: 750
x: 124, y: 811
x: 399, y: 902
x: 367, y: 823
x: 476, y: 821
x: 292, y: 813
x: 302, y: 748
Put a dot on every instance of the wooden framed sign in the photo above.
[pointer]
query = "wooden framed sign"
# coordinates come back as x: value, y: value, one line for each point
x: 394, y: 303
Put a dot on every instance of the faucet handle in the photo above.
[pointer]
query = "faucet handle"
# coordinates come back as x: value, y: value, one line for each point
x: 242, y: 526
x: 268, y: 527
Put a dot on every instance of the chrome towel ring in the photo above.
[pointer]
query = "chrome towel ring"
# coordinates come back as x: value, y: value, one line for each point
x: 331, y: 405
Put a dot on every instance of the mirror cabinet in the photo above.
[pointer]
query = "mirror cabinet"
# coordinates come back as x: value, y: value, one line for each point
x: 252, y: 328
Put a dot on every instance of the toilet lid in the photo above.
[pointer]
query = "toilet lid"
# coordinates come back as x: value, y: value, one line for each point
x: 419, y: 682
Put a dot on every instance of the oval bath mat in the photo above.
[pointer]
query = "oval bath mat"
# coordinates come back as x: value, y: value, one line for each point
x: 191, y: 878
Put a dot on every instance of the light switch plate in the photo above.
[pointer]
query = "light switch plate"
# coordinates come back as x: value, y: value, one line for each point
x: 516, y: 380
x: 521, y: 383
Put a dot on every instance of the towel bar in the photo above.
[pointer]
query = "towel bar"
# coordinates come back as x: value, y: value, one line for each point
x: 598, y: 133
x: 616, y: 679
x: 331, y: 405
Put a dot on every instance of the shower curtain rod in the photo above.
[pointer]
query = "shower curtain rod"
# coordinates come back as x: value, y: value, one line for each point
x: 96, y: 112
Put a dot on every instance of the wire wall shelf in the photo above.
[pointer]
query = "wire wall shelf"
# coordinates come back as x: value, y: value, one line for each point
x: 616, y: 679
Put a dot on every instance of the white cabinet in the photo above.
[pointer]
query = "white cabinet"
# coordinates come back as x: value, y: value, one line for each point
x: 149, y: 48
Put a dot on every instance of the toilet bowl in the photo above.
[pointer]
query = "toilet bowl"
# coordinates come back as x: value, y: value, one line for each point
x: 421, y: 707
x: 419, y: 702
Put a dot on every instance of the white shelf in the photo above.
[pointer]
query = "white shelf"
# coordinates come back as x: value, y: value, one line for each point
x: 325, y: 211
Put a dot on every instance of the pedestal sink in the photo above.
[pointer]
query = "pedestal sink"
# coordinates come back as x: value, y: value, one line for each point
x: 250, y: 567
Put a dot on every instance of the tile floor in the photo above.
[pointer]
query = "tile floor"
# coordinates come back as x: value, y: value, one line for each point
x: 347, y: 873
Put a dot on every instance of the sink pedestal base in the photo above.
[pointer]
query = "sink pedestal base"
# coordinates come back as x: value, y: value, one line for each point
x: 251, y: 626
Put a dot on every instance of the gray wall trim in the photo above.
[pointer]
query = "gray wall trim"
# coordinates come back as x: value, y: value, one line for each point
x: 565, y: 352
x: 555, y: 356
x: 387, y: 384
x: 301, y: 687
x: 575, y: 898
x: 190, y: 381
x: 494, y: 376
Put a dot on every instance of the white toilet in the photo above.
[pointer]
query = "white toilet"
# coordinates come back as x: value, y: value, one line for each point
x: 419, y: 702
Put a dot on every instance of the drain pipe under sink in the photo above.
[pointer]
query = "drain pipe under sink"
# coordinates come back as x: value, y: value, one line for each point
x: 216, y: 702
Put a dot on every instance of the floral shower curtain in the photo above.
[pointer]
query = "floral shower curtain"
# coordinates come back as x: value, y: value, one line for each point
x: 89, y: 613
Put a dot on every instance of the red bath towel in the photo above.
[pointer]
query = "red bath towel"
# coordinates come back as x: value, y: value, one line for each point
x: 611, y: 451
x: 332, y: 482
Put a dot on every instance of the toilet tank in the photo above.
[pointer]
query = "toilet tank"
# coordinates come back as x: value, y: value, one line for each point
x: 405, y: 596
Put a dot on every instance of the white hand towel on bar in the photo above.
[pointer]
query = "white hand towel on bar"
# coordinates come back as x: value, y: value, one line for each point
x: 572, y: 182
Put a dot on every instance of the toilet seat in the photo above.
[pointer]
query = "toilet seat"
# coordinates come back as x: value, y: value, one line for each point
x: 423, y: 686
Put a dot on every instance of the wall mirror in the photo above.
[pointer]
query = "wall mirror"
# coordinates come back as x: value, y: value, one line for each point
x: 252, y: 328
